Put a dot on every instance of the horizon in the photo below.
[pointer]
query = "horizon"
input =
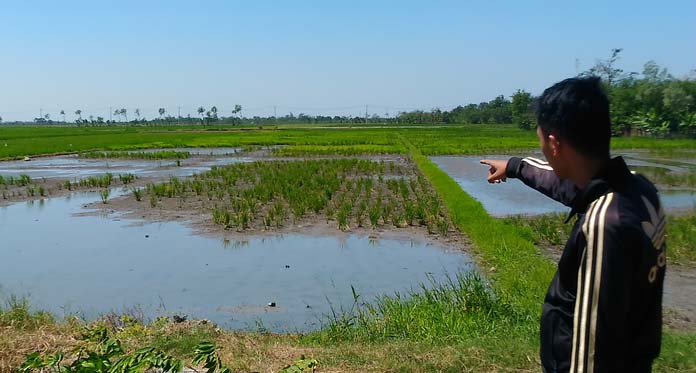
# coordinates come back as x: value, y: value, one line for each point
x: 316, y: 58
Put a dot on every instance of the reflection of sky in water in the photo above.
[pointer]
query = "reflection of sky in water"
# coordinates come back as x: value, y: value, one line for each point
x: 74, y: 167
x: 514, y: 198
x: 93, y: 265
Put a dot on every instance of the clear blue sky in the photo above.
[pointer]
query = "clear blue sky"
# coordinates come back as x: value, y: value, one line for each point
x: 317, y: 56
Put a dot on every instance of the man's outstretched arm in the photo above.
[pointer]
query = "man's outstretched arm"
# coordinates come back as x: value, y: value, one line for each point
x: 535, y: 173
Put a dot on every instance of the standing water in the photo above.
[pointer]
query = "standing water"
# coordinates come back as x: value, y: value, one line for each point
x: 516, y: 198
x: 92, y: 265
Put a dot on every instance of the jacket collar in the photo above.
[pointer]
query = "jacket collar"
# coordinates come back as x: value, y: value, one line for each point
x: 615, y: 176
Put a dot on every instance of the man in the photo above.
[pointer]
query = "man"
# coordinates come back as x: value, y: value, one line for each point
x: 603, y: 309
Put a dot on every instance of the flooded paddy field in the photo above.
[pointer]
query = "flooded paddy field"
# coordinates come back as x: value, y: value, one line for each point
x: 70, y: 253
x: 515, y: 198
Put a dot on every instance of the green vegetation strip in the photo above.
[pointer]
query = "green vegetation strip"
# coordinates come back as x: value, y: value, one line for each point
x: 18, y: 142
x: 165, y: 154
x: 514, y: 263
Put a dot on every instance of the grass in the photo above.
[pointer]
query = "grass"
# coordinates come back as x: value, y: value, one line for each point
x: 136, y: 155
x: 549, y: 229
x: 681, y: 239
x: 17, y: 142
x: 663, y: 176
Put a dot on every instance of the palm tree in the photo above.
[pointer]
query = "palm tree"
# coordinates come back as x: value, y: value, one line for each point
x: 137, y: 113
x: 78, y: 112
x: 214, y: 110
x: 47, y: 116
x: 117, y: 113
x: 124, y: 112
x: 62, y: 112
x: 237, y: 109
x: 200, y: 111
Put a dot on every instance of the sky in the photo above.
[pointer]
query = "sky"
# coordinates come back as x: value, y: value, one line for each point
x: 317, y: 57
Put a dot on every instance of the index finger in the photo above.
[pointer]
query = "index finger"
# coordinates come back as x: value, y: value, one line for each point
x: 486, y: 161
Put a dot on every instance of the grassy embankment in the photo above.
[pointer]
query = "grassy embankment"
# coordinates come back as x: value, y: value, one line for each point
x: 549, y: 230
x: 459, y: 326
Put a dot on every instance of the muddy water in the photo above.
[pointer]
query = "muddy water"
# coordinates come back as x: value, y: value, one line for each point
x: 74, y: 167
x: 515, y: 198
x: 91, y: 265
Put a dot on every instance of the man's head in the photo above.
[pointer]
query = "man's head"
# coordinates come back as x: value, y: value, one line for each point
x: 573, y: 119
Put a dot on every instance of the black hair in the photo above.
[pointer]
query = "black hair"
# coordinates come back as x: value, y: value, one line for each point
x: 577, y: 110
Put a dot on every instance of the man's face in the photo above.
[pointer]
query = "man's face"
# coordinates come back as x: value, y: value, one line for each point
x: 544, y: 144
x: 551, y: 152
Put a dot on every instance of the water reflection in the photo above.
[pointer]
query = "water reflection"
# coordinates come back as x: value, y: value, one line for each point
x: 94, y: 265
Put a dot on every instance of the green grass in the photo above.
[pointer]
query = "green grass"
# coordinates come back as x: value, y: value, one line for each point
x: 136, y: 155
x: 16, y: 142
x: 17, y: 314
x: 549, y: 229
x: 681, y: 239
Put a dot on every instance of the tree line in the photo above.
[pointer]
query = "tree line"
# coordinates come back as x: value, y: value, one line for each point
x: 652, y: 102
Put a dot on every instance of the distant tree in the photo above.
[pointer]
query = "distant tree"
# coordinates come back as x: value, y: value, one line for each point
x: 62, y: 112
x: 100, y: 120
x: 237, y: 110
x: 91, y: 118
x: 653, y: 74
x: 201, y: 111
x: 124, y: 112
x: 137, y: 113
x: 47, y: 116
x: 607, y: 70
x: 214, y: 111
x: 521, y: 109
x: 161, y: 112
x: 78, y: 112
x: 0, y: 119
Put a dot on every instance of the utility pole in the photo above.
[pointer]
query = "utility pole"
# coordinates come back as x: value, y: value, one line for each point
x: 178, y: 116
x: 40, y: 112
x: 275, y: 116
x: 365, y: 114
x: 110, y: 119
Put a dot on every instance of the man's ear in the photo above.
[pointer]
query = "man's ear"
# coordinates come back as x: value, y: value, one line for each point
x: 554, y: 145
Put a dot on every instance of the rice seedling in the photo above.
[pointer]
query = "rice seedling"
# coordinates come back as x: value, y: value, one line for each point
x: 261, y: 195
x: 126, y: 179
x: 138, y: 194
x: 104, y: 194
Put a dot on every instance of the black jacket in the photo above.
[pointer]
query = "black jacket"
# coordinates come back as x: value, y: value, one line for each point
x: 603, y: 309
